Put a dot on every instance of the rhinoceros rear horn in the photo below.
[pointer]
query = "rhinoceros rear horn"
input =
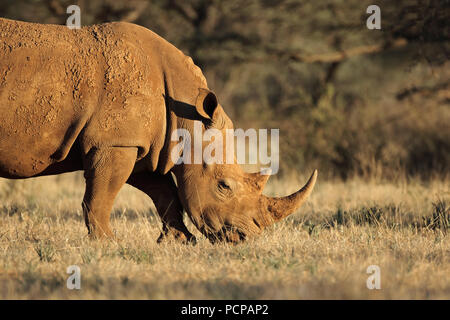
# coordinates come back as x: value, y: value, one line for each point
x: 260, y: 179
x: 279, y: 208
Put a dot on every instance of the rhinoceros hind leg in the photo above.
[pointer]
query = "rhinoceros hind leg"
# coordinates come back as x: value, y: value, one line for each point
x: 106, y: 171
x: 163, y: 191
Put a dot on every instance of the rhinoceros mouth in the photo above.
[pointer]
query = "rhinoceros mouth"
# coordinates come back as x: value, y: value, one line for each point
x: 228, y: 233
x: 242, y: 230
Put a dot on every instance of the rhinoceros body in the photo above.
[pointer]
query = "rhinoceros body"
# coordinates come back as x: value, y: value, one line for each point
x: 96, y: 87
x: 104, y: 99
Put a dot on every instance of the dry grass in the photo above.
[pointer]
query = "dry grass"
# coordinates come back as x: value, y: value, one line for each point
x: 320, y: 253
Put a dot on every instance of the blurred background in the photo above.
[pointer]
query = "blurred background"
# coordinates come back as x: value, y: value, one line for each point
x: 348, y: 100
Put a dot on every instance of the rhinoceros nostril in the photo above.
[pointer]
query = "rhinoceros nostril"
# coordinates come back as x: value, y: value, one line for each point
x: 256, y: 223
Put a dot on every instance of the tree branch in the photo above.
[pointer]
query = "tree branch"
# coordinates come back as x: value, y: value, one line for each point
x: 334, y: 57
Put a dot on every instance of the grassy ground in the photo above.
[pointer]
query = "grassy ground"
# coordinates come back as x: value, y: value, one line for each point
x: 321, y: 252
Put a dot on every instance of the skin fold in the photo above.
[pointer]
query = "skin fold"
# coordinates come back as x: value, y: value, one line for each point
x: 104, y: 99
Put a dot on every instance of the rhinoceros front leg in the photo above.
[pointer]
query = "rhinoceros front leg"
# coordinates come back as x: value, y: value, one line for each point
x: 163, y: 191
x: 106, y: 171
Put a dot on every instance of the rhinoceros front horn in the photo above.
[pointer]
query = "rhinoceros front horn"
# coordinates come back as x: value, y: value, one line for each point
x: 279, y: 208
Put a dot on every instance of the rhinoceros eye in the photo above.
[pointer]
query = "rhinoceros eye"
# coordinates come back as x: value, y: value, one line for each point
x: 226, y: 186
x: 222, y: 184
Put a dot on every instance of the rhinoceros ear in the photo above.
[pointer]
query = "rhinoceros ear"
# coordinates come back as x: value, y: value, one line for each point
x: 206, y: 103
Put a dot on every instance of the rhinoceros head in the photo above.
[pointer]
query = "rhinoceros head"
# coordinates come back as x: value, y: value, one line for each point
x: 224, y: 202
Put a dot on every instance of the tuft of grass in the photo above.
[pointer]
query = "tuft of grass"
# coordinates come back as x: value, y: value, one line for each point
x: 440, y: 218
x: 389, y: 216
x: 88, y: 255
x: 137, y: 255
x: 45, y: 251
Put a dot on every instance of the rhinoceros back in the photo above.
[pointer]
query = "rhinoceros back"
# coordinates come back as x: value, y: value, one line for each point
x: 44, y: 100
